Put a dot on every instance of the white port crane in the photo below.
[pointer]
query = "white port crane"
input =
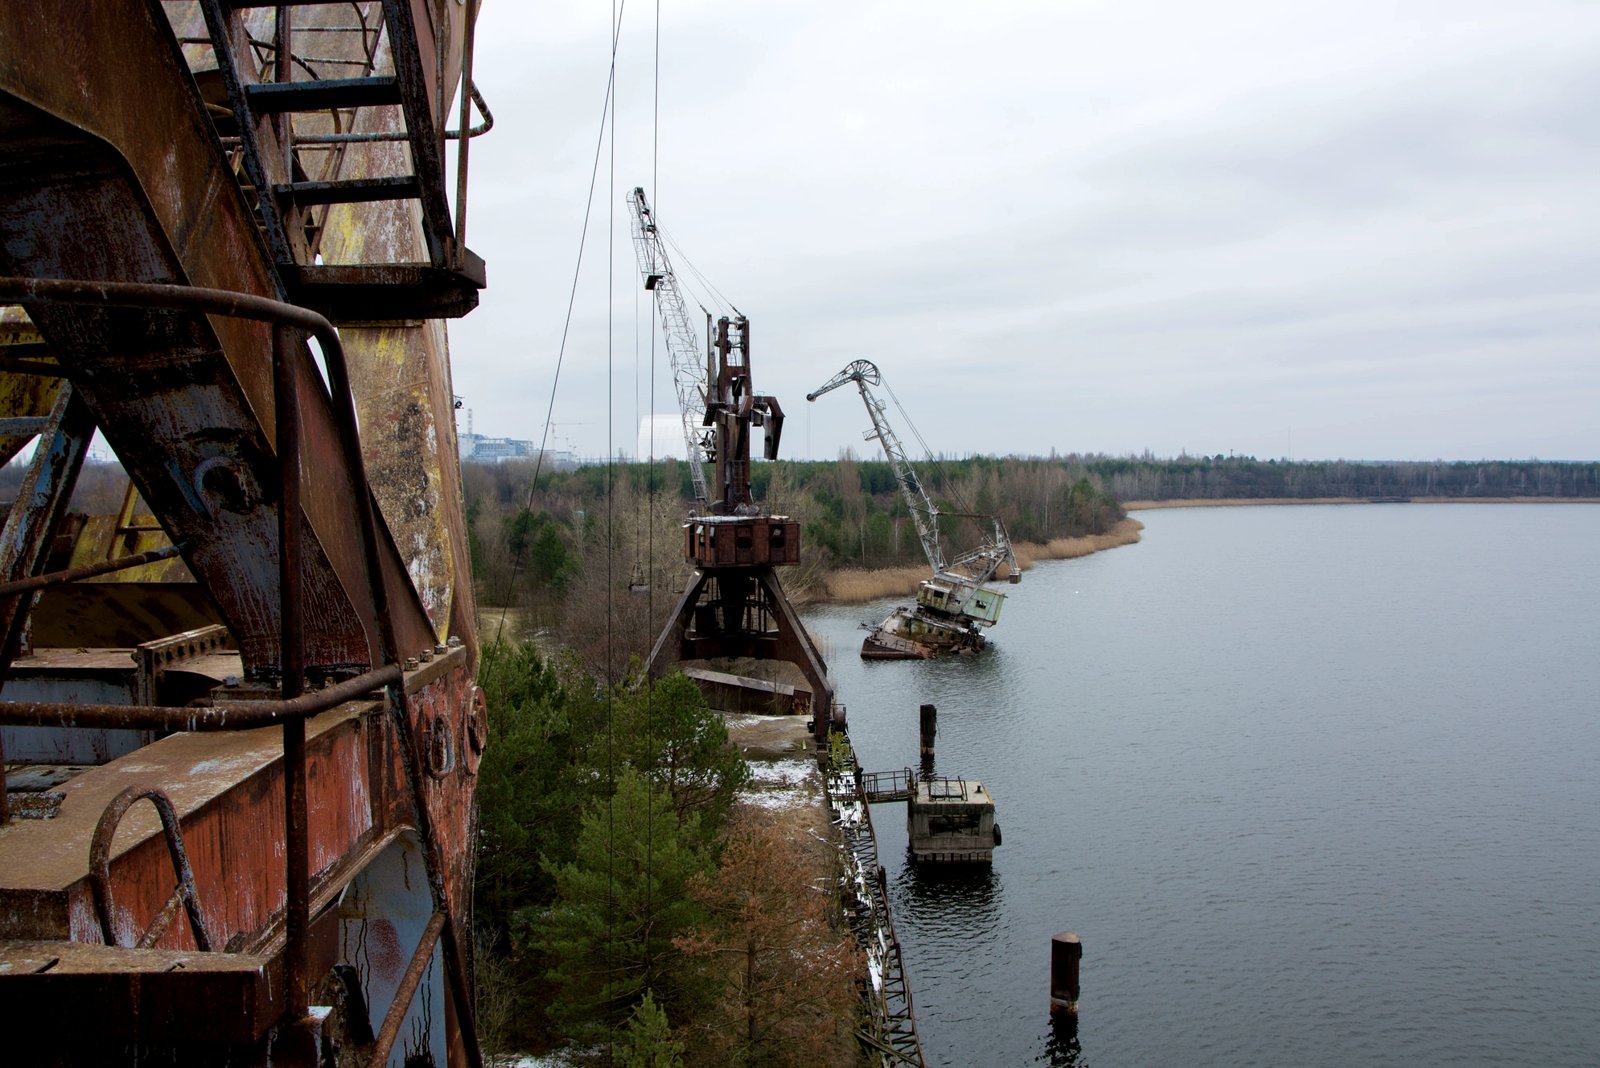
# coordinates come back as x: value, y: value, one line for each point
x: 955, y: 583
x: 689, y: 375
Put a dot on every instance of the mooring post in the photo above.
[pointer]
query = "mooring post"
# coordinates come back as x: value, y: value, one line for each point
x: 930, y: 727
x: 1065, y: 953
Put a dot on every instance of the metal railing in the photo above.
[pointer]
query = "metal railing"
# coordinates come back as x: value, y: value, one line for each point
x: 892, y: 1023
x: 888, y: 785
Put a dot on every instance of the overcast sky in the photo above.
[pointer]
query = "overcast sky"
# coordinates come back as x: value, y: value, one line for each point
x: 1356, y: 229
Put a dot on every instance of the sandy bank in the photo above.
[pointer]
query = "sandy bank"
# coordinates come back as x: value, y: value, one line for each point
x: 849, y: 587
x: 1234, y: 502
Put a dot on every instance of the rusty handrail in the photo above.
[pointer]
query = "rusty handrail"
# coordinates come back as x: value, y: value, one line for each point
x: 239, y: 716
x: 105, y: 832
x: 77, y: 574
x: 406, y: 991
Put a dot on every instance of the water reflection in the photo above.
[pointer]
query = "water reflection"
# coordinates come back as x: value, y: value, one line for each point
x: 1061, y: 1046
x: 1248, y: 789
x: 960, y: 899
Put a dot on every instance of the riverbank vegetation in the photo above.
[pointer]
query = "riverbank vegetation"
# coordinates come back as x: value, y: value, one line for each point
x: 563, y: 545
x: 624, y: 903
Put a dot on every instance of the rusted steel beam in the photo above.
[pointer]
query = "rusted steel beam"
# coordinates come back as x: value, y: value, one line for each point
x: 348, y: 191
x: 407, y: 990
x: 23, y: 426
x: 292, y: 674
x: 468, y: 93
x: 105, y: 832
x: 386, y: 292
x: 418, y: 45
x: 77, y: 574
x: 41, y: 501
x: 241, y: 716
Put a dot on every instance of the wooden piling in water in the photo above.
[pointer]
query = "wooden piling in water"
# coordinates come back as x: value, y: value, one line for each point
x: 930, y: 727
x: 1066, y: 951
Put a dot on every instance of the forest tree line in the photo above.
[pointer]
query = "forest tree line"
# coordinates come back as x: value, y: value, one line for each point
x: 533, y: 538
x: 1222, y: 477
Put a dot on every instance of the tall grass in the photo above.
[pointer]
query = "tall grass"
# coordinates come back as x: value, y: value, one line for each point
x: 849, y: 587
x: 1126, y: 532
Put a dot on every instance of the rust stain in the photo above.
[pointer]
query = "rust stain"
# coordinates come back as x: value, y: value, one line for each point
x: 387, y: 958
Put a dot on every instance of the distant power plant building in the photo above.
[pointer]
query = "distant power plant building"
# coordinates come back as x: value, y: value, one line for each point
x: 478, y: 449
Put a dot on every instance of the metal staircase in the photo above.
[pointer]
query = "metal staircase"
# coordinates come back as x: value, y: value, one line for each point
x: 345, y: 104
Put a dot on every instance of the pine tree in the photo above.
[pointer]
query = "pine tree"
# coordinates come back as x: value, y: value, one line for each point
x: 672, y: 732
x: 786, y: 974
x: 619, y: 905
x: 647, y: 1041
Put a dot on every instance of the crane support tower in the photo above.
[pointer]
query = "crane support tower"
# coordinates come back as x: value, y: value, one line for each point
x: 240, y: 726
x: 954, y: 604
x: 734, y: 605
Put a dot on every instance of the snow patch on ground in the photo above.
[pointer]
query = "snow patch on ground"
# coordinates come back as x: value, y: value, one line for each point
x: 781, y: 783
x: 777, y: 774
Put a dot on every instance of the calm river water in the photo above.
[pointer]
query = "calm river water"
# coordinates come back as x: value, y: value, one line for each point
x: 1315, y: 785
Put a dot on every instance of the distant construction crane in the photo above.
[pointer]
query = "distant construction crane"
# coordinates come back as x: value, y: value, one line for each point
x: 953, y: 604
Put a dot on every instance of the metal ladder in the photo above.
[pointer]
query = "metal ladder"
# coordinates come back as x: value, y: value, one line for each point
x: 331, y: 77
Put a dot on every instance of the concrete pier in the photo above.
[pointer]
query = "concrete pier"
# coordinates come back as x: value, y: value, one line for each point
x: 951, y: 821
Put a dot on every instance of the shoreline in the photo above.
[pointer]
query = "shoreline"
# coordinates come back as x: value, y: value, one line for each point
x: 856, y: 586
x: 1248, y: 502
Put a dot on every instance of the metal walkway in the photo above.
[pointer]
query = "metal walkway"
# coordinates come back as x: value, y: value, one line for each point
x: 888, y: 785
x: 891, y: 1029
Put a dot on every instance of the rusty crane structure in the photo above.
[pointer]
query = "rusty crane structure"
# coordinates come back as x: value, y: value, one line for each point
x: 239, y: 718
x: 955, y: 602
x: 734, y: 605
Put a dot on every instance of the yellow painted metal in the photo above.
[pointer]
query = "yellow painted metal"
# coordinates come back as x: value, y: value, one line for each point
x: 400, y: 371
x: 22, y: 394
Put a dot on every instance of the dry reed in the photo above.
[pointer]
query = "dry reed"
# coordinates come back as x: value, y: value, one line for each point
x: 1126, y: 532
x: 850, y: 587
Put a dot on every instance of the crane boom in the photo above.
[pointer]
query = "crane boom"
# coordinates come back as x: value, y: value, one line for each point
x: 923, y: 512
x: 965, y: 574
x: 683, y: 345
